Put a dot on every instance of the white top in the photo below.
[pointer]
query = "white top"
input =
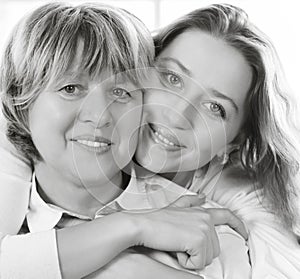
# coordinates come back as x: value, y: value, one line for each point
x: 141, y: 193
x: 274, y: 252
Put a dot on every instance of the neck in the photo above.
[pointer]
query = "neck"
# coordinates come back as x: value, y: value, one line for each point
x: 70, y: 193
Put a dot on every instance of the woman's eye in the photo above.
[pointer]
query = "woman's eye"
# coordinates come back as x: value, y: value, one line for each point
x: 172, y: 79
x: 71, y: 90
x: 216, y: 109
x: 121, y: 94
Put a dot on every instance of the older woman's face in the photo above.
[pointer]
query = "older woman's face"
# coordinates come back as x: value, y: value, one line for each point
x: 195, y: 104
x: 87, y: 129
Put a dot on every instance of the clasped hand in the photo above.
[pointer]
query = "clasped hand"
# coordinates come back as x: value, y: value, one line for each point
x: 188, y: 229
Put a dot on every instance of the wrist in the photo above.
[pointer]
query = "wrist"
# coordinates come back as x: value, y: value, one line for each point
x: 132, y: 227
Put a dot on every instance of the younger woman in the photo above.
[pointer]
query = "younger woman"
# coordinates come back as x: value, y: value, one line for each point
x: 219, y: 121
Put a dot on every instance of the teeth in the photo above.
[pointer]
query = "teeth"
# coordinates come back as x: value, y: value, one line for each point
x: 163, y: 139
x: 93, y: 143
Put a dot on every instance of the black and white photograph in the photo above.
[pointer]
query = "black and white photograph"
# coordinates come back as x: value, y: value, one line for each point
x: 149, y: 139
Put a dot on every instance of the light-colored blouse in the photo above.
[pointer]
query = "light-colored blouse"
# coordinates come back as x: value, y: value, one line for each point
x: 274, y: 251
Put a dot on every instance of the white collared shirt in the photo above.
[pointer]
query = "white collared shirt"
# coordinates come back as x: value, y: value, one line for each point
x: 143, y: 192
x: 274, y: 251
x: 146, y: 191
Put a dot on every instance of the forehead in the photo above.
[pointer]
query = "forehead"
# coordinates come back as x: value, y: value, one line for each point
x: 212, y: 63
x: 77, y: 69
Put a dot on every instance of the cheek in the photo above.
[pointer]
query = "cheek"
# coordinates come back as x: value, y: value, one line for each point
x: 127, y: 124
x: 210, y: 136
x: 214, y: 137
x: 48, y: 121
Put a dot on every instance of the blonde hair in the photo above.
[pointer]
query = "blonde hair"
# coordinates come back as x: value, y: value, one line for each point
x: 43, y: 45
x: 269, y: 139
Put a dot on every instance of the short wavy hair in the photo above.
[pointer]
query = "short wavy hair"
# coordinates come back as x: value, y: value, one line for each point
x: 43, y: 45
x: 269, y: 139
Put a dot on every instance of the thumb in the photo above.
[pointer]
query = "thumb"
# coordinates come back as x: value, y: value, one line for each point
x: 189, y: 201
x: 222, y: 216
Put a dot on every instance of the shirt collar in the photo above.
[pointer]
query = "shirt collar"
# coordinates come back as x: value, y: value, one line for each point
x: 144, y: 191
x: 147, y: 190
x: 41, y: 216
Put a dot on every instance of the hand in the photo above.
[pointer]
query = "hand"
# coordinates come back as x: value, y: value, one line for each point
x: 223, y: 216
x: 188, y: 230
x: 219, y: 216
x: 206, y: 239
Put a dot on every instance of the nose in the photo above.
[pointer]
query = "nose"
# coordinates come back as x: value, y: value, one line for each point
x: 96, y: 109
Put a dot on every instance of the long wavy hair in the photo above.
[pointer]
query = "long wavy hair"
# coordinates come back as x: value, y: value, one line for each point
x: 269, y: 139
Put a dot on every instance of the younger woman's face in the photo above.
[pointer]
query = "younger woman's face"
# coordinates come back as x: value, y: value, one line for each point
x: 194, y: 105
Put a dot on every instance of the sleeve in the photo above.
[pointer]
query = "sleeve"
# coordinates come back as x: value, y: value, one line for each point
x: 274, y: 251
x: 32, y: 255
x: 233, y: 261
x: 29, y: 256
x: 15, y: 183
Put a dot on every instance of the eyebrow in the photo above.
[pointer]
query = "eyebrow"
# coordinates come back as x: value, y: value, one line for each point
x: 178, y: 63
x: 220, y: 95
x: 215, y: 92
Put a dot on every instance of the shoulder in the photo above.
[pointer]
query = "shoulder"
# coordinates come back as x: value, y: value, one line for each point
x: 14, y: 201
x: 235, y: 190
x: 15, y: 185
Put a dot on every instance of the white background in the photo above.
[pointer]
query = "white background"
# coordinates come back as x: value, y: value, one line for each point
x: 280, y: 20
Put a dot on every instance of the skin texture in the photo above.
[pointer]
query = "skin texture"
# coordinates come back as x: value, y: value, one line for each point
x: 184, y: 108
x: 76, y: 109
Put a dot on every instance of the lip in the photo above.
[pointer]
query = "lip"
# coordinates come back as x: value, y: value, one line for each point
x: 94, y: 144
x: 166, y: 140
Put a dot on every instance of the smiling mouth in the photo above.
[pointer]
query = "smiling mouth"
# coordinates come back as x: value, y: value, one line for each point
x: 98, y: 144
x: 93, y: 143
x: 160, y: 136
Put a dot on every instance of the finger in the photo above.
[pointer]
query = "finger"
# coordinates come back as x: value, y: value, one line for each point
x: 182, y: 258
x: 192, y: 259
x: 190, y: 201
x: 221, y: 216
x: 197, y: 261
